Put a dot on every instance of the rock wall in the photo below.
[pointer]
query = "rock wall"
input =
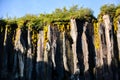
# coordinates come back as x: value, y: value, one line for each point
x: 79, y: 51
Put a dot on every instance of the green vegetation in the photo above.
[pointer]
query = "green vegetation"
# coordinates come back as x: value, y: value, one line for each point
x: 61, y: 17
x: 113, y: 11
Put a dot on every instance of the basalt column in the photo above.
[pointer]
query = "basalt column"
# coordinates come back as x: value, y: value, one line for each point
x: 29, y: 58
x: 48, y: 54
x: 64, y: 53
x: 80, y: 24
x: 53, y: 44
x: 40, y: 57
x: 2, y: 28
x: 74, y: 35
x: 98, y: 49
x: 108, y: 36
x: 118, y: 40
x: 69, y: 51
x: 5, y: 55
x: 59, y: 56
x: 19, y: 54
x: 10, y: 49
x: 89, y: 32
x: 85, y: 52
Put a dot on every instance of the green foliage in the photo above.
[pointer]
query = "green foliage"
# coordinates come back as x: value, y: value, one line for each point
x: 2, y: 22
x: 108, y: 9
x: 116, y: 18
x: 114, y: 13
x: 61, y: 16
x: 73, y: 9
x: 2, y: 25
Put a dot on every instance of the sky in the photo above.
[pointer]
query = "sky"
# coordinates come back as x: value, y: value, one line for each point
x: 18, y: 8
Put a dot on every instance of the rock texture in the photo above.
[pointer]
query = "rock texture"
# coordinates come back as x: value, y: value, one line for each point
x: 80, y: 50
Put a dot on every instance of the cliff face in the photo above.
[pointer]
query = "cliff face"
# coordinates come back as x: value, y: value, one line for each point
x: 81, y: 50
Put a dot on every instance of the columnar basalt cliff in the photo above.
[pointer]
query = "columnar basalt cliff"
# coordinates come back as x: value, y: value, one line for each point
x: 75, y: 49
